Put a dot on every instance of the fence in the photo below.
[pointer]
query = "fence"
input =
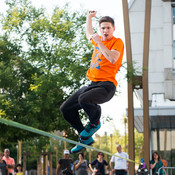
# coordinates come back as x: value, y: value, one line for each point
x: 167, y: 171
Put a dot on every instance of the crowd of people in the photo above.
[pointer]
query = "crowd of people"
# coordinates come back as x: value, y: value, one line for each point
x: 118, y: 164
x: 98, y: 166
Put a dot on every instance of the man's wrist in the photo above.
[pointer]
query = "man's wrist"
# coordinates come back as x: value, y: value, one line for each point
x: 89, y: 17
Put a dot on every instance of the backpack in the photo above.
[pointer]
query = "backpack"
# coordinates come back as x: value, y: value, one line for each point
x: 165, y: 162
x: 142, y: 170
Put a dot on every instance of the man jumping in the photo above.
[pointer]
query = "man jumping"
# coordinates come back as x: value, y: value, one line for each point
x: 105, y: 63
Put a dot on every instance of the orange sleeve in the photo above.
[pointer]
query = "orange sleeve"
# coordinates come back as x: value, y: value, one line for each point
x: 93, y: 42
x: 118, y: 45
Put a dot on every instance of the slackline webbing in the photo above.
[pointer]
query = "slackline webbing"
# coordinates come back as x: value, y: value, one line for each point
x: 34, y: 130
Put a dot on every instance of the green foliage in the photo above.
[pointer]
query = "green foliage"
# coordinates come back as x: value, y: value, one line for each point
x: 132, y: 71
x: 43, y: 59
x: 139, y: 146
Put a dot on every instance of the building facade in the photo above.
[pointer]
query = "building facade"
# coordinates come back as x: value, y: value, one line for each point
x: 161, y: 73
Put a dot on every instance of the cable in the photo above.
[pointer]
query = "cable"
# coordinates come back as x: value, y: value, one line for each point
x: 34, y: 130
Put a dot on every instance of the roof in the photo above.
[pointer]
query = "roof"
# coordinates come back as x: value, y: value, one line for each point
x: 160, y: 118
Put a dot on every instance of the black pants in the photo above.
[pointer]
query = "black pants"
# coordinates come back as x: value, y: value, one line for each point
x: 87, y: 98
x: 120, y: 172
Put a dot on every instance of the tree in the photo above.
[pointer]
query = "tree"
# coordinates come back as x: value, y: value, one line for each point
x: 43, y: 59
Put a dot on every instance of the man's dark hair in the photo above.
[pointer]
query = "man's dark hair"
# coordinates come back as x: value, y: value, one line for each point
x: 106, y: 19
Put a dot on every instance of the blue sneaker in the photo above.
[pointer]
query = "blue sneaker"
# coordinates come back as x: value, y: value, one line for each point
x: 90, y: 130
x: 78, y: 148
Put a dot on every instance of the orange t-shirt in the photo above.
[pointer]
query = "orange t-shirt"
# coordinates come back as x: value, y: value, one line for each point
x: 9, y: 161
x: 102, y: 69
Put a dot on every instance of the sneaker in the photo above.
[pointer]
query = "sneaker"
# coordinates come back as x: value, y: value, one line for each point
x: 90, y: 130
x: 78, y: 148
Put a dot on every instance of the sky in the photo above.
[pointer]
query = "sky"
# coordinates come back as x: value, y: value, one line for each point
x: 116, y: 107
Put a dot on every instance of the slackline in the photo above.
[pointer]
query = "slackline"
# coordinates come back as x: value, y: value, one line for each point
x: 34, y: 130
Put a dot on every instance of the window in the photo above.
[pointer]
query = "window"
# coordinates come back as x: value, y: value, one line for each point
x: 163, y: 142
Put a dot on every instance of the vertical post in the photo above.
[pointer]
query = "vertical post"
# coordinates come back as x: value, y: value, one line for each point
x: 158, y: 140
x: 130, y: 88
x: 17, y: 148
x: 165, y: 142
x: 99, y: 142
x: 65, y: 145
x: 46, y: 165
x: 145, y: 82
x: 42, y: 164
x: 64, y: 135
x: 111, y: 142
x: 89, y: 155
x: 55, y: 148
x: 125, y: 121
x: 20, y: 151
x: 106, y: 145
x: 24, y: 163
x: 50, y: 160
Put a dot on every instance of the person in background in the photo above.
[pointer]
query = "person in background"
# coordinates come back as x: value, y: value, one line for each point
x: 18, y: 169
x: 99, y: 164
x: 156, y: 164
x: 121, y: 166
x: 81, y: 165
x: 9, y: 161
x: 3, y: 166
x: 65, y: 165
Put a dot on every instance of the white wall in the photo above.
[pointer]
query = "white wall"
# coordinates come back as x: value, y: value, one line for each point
x: 161, y: 38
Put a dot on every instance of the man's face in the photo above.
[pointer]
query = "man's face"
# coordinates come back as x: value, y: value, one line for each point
x: 107, y: 30
x: 66, y: 156
x: 6, y: 153
x: 119, y: 148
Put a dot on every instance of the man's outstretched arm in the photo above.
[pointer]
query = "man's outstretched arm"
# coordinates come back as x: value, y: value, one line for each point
x: 89, y: 29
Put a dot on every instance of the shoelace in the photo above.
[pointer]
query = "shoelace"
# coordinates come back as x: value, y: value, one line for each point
x: 81, y: 140
x: 89, y: 126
